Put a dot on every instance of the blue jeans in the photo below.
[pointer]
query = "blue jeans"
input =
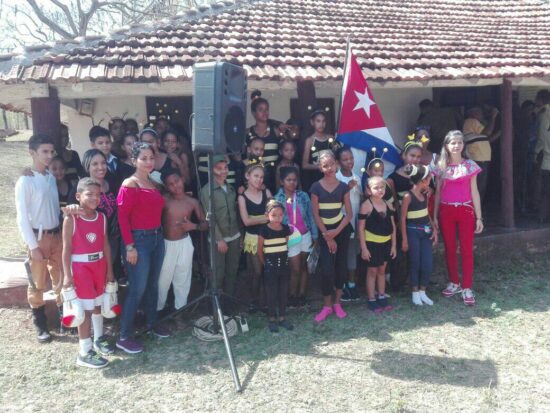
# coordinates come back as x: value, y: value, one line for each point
x: 143, y: 279
x: 420, y: 257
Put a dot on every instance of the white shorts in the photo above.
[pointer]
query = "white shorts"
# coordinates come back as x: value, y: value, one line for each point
x: 303, y: 246
x: 88, y: 304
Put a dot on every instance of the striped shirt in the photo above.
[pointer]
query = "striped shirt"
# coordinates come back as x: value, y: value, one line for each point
x: 271, y: 141
x: 330, y: 203
x: 275, y: 242
x: 417, y: 214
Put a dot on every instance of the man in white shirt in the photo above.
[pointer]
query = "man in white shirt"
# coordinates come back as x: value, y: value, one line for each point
x: 37, y: 203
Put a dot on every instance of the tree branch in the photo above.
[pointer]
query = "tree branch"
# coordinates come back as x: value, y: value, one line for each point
x: 48, y: 22
x: 68, y: 15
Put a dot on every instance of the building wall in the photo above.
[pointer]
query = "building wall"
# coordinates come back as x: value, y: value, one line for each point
x: 104, y: 109
x: 398, y: 106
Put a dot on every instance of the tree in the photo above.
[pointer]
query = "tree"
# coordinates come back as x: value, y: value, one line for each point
x: 29, y: 21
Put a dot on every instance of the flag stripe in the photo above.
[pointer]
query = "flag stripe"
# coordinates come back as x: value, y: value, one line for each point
x: 365, y: 141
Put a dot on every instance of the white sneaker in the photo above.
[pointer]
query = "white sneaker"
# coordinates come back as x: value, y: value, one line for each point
x: 425, y: 299
x: 468, y: 297
x: 416, y: 298
x: 451, y: 290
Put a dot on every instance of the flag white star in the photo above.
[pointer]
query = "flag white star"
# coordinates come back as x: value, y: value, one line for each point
x: 365, y: 102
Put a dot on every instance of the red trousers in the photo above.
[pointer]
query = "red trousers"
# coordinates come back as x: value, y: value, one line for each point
x: 460, y: 217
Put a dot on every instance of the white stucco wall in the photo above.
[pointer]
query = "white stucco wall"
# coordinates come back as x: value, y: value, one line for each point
x: 104, y: 108
x: 398, y: 106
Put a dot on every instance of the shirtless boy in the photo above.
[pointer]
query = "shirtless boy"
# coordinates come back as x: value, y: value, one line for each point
x: 176, y: 224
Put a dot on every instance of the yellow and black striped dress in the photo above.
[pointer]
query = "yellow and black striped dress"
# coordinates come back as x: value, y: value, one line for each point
x: 271, y: 151
x: 378, y: 233
x: 402, y: 185
x: 250, y: 244
x: 330, y: 203
x: 275, y: 245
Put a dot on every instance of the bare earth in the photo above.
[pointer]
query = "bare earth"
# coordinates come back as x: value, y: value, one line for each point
x: 14, y: 156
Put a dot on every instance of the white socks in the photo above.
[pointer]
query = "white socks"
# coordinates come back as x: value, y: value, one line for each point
x: 425, y: 299
x: 97, y: 325
x: 416, y: 298
x: 420, y: 298
x: 85, y: 346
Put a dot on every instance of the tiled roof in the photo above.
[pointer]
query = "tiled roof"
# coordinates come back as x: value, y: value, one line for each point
x: 395, y: 40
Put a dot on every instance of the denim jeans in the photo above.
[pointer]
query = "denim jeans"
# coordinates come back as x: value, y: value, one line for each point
x: 143, y: 279
x: 420, y: 257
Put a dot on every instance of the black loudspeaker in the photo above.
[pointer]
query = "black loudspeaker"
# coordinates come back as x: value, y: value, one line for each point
x: 219, y: 103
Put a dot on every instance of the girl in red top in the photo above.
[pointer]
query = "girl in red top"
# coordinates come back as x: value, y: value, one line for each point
x: 140, y: 207
x: 457, y: 208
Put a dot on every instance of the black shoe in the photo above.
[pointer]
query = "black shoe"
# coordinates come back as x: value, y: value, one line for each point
x: 383, y: 303
x: 91, y: 360
x: 41, y: 325
x: 374, y: 307
x: 103, y: 346
x: 302, y: 302
x: 354, y: 291
x: 286, y: 325
x: 123, y: 281
x: 273, y: 327
x: 346, y: 294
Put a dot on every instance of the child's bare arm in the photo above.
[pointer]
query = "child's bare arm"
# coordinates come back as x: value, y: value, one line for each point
x: 68, y: 226
x: 305, y: 156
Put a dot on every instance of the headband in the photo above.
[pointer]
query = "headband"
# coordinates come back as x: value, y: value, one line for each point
x: 149, y: 130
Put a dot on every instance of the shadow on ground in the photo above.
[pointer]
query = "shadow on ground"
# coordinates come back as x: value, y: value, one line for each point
x: 434, y: 369
x: 501, y: 289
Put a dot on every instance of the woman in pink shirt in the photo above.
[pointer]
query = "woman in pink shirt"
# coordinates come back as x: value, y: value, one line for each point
x: 139, y: 214
x: 457, y: 207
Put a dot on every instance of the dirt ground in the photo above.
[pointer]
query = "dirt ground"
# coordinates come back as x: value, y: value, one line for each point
x: 14, y: 156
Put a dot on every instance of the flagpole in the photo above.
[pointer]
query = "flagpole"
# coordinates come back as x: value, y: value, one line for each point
x: 348, y: 43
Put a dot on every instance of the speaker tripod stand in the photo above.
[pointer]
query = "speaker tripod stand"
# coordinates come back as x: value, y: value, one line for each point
x: 213, y: 293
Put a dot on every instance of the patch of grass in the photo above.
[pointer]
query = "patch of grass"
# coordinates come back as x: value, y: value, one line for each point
x: 14, y: 157
x: 492, y: 357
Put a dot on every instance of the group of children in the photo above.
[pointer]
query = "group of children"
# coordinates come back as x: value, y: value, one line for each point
x: 132, y: 218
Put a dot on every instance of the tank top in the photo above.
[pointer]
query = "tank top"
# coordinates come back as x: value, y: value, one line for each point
x: 402, y: 185
x: 418, y: 211
x: 64, y: 198
x: 330, y: 203
x: 378, y: 226
x: 255, y: 211
x: 316, y: 148
x: 167, y: 166
x: 89, y: 234
x: 271, y: 141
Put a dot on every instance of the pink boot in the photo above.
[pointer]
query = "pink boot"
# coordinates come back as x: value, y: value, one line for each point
x: 325, y: 312
x: 339, y: 311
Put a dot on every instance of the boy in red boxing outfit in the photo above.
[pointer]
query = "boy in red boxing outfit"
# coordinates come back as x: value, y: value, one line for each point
x: 87, y: 266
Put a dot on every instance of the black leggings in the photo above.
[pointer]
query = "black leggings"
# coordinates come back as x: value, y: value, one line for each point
x: 276, y: 275
x: 333, y: 268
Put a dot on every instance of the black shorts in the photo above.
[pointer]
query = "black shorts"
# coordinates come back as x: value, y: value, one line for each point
x: 379, y: 253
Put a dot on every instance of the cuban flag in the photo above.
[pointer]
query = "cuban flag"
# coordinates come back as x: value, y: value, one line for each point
x: 361, y: 125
